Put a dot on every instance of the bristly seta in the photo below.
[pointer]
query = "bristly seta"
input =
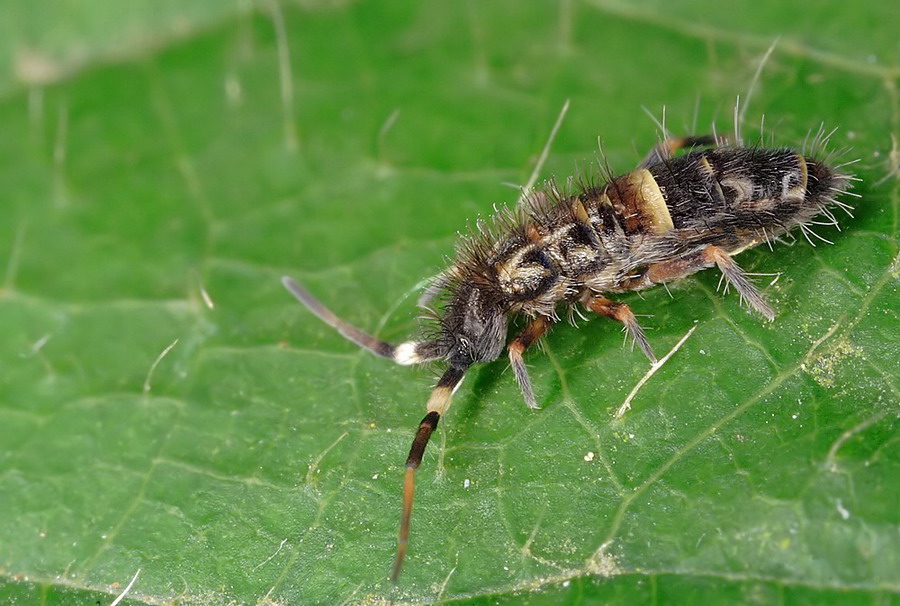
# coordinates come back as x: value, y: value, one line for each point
x: 672, y: 216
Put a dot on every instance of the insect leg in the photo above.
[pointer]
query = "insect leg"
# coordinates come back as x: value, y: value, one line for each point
x: 622, y: 313
x: 665, y: 150
x: 535, y: 329
x: 659, y: 273
x: 737, y: 278
x: 438, y: 404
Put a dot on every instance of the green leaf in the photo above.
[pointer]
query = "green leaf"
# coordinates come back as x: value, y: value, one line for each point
x: 166, y: 407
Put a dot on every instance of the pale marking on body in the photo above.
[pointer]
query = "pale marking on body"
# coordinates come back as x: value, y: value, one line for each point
x: 804, y: 172
x: 554, y: 237
x: 512, y: 274
x: 798, y: 191
x: 552, y: 242
x: 506, y: 269
x: 582, y: 254
x: 788, y: 192
x: 652, y: 201
x: 514, y: 278
x: 743, y: 188
x: 759, y: 204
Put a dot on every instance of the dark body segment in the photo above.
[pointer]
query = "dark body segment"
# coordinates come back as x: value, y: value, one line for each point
x: 736, y: 189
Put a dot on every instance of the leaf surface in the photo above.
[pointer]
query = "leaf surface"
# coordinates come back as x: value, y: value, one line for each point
x: 166, y: 407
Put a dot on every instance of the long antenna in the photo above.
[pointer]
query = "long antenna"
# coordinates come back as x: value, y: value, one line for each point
x: 348, y: 331
x: 438, y: 404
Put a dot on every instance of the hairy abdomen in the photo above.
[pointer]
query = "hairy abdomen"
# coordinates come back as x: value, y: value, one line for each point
x: 738, y: 197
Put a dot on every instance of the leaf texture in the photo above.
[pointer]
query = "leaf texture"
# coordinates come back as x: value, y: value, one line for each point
x: 166, y: 407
